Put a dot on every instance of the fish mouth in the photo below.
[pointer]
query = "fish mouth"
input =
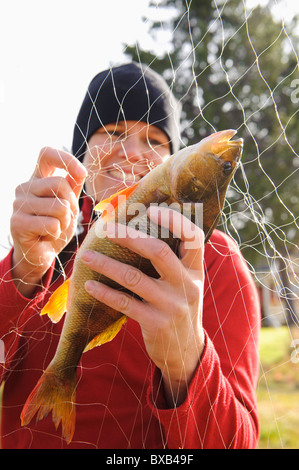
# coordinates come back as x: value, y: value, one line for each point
x: 223, y: 147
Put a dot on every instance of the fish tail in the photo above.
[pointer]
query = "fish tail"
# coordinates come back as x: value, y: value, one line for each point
x: 51, y: 393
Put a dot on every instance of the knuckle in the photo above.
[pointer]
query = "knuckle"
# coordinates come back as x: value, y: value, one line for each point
x: 43, y: 151
x: 65, y: 204
x: 53, y: 226
x: 20, y: 190
x: 16, y: 205
x: 17, y: 190
x: 41, y: 156
x: 163, y: 325
x: 54, y: 183
x: 17, y: 220
x: 65, y: 221
x: 57, y: 187
x: 62, y: 207
x: 14, y: 223
x: 132, y: 277
x: 102, y: 263
x: 181, y: 310
x: 124, y: 303
x: 61, y: 186
x: 194, y: 293
x: 162, y: 251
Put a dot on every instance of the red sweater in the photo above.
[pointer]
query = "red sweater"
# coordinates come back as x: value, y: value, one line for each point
x: 120, y: 402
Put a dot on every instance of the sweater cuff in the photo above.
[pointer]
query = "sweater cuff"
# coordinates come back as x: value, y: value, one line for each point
x: 156, y: 397
x: 12, y: 301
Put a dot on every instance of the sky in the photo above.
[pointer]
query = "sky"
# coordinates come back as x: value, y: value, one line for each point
x: 49, y: 52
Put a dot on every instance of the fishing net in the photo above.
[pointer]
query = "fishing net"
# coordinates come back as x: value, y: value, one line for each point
x: 231, y: 64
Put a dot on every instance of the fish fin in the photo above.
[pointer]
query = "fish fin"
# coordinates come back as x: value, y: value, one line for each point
x: 53, y: 394
x: 56, y: 306
x: 114, y: 198
x: 108, y: 334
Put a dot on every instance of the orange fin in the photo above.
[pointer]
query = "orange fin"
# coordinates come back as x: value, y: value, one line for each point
x: 108, y: 334
x: 56, y: 306
x: 52, y: 394
x: 114, y: 198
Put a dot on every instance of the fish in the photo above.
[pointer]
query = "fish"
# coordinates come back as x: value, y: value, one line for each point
x: 197, y: 174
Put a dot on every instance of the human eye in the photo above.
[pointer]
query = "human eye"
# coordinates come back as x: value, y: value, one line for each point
x: 154, y: 142
x: 157, y: 139
x: 158, y: 144
x: 117, y: 134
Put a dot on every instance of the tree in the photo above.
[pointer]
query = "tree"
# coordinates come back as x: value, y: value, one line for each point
x: 234, y: 67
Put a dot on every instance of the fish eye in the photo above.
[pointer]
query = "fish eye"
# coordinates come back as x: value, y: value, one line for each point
x: 227, y: 167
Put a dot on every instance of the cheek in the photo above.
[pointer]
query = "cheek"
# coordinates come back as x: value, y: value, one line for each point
x: 93, y: 163
x: 96, y: 158
x: 96, y: 184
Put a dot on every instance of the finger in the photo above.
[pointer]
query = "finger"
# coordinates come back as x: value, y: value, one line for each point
x: 50, y: 159
x: 49, y: 207
x: 157, y: 251
x: 120, y: 302
x: 76, y: 184
x: 48, y: 227
x: 192, y: 237
x: 127, y: 276
x: 51, y: 187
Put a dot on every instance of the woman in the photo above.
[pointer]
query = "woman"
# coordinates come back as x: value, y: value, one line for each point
x: 183, y: 370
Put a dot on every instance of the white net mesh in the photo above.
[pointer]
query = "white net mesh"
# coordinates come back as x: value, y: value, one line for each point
x: 231, y: 64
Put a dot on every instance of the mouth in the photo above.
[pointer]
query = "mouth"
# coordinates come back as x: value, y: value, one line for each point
x: 123, y: 176
x: 222, y: 145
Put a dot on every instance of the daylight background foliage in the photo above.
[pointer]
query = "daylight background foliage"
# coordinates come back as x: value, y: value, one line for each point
x: 235, y: 66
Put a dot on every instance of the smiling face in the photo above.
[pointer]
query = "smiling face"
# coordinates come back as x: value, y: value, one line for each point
x: 119, y: 155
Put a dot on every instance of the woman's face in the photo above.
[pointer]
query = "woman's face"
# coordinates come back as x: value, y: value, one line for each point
x: 118, y: 155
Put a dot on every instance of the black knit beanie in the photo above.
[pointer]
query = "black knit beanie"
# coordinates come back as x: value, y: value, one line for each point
x: 130, y: 92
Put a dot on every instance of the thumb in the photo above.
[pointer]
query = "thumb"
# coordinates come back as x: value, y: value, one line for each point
x: 77, y: 182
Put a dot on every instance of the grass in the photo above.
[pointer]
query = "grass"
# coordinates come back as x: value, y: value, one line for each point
x: 278, y: 390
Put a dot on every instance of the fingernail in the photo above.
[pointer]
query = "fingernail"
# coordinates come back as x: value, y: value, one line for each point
x: 89, y: 286
x: 87, y: 256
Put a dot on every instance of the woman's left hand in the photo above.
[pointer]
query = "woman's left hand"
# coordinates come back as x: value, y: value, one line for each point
x: 170, y: 315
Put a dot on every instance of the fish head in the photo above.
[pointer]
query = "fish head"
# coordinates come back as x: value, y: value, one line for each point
x: 206, y: 168
x: 200, y: 175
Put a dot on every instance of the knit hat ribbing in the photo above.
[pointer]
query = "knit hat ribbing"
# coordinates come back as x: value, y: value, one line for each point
x: 130, y: 92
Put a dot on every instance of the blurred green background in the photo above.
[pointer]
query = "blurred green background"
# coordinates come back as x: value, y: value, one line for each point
x: 278, y: 389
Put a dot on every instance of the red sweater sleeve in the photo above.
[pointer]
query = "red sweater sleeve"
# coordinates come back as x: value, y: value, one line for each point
x: 12, y: 305
x: 220, y: 410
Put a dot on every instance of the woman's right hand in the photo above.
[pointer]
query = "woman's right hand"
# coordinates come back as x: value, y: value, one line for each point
x: 44, y: 216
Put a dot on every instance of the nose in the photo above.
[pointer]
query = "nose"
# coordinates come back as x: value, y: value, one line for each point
x: 138, y: 151
x: 132, y: 148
